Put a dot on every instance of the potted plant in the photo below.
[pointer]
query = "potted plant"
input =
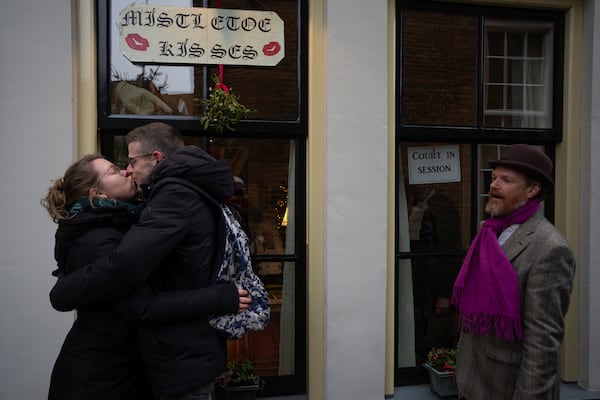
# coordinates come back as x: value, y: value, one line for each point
x: 440, y: 365
x: 239, y: 382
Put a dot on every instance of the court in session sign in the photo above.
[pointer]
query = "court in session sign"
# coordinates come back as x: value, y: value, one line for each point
x: 429, y: 164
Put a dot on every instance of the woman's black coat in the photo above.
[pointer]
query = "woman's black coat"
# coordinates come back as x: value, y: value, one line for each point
x: 99, y: 358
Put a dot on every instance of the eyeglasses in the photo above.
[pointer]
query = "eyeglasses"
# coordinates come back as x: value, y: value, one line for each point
x: 132, y: 160
x: 111, y: 170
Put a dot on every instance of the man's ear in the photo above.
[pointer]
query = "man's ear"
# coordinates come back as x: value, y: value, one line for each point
x: 158, y: 155
x: 533, y: 190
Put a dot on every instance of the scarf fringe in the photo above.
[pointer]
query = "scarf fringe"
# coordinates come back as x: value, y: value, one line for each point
x: 480, y: 324
x: 456, y: 292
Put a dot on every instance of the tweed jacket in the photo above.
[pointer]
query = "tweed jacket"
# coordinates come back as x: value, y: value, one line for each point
x: 490, y: 368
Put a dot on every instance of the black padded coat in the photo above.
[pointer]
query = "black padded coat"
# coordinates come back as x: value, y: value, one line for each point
x: 99, y: 358
x: 173, y: 247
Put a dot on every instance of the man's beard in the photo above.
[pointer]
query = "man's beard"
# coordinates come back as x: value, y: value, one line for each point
x: 498, y: 207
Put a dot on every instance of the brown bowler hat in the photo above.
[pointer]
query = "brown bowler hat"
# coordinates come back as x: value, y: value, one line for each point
x: 529, y: 161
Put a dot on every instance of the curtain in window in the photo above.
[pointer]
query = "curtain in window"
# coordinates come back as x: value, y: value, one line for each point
x: 405, y: 339
x: 538, y: 92
x: 287, y: 336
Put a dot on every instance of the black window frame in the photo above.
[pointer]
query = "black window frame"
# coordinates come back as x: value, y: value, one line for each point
x: 110, y: 126
x: 473, y: 135
x: 479, y: 133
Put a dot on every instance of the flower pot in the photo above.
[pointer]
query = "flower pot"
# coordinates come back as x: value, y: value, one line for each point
x: 442, y: 383
x: 238, y: 392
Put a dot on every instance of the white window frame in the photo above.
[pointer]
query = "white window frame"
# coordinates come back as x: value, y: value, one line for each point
x: 530, y: 118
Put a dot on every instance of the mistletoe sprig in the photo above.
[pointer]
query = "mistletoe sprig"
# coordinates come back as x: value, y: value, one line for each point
x: 223, y: 108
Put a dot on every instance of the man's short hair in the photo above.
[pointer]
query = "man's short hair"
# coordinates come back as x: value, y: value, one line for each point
x: 156, y: 136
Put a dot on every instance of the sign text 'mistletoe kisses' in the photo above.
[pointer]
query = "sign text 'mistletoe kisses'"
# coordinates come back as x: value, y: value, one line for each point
x: 195, y: 35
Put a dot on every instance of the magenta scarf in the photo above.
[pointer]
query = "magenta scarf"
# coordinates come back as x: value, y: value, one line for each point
x: 486, y: 290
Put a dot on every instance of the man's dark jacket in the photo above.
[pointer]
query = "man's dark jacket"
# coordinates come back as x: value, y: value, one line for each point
x: 174, y: 246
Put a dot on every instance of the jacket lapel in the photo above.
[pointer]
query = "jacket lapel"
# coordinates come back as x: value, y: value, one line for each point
x: 519, y: 240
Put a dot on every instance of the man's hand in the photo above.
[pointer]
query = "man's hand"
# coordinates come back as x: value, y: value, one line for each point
x: 442, y: 305
x: 245, y: 300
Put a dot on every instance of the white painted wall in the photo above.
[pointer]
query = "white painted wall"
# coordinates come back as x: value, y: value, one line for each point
x: 36, y: 144
x: 589, y: 263
x: 355, y: 198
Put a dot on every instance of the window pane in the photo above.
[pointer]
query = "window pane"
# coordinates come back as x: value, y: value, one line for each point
x: 265, y: 169
x: 514, y: 97
x: 495, y: 97
x: 514, y: 71
x: 265, y: 189
x: 434, y: 197
x: 535, y: 44
x: 536, y: 100
x: 172, y: 90
x: 495, y: 70
x: 527, y: 72
x: 495, y: 43
x: 435, y: 229
x: 439, y: 80
x: 272, y: 350
x: 514, y: 44
x: 536, y: 74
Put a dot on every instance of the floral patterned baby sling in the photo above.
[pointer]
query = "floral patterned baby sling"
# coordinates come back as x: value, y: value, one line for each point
x: 236, y: 267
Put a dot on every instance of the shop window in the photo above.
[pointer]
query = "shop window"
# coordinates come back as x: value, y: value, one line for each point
x: 266, y: 151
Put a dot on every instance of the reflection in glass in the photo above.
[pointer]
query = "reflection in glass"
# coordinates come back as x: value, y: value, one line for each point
x: 147, y: 89
x: 264, y: 177
x: 262, y: 168
x: 439, y: 68
x: 174, y: 90
x: 265, y: 188
x: 434, y: 233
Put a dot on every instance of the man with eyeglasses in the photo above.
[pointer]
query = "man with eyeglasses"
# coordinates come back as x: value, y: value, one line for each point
x: 174, y: 246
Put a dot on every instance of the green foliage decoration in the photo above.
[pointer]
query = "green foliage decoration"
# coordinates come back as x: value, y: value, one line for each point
x: 223, y: 109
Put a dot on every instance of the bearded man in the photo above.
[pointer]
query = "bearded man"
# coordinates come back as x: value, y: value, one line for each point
x: 513, y: 289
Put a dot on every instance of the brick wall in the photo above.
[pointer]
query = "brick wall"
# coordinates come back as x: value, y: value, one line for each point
x: 439, y: 69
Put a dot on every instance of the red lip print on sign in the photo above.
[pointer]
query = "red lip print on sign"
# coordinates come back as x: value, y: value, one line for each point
x: 272, y: 48
x: 137, y: 42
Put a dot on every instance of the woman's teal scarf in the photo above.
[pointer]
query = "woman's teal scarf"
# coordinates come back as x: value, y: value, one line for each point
x: 98, y: 202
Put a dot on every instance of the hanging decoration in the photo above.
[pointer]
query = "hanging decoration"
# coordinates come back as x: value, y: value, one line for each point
x: 223, y: 108
x: 150, y: 34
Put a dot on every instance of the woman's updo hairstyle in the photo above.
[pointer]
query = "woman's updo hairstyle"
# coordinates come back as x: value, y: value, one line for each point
x: 76, y: 183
